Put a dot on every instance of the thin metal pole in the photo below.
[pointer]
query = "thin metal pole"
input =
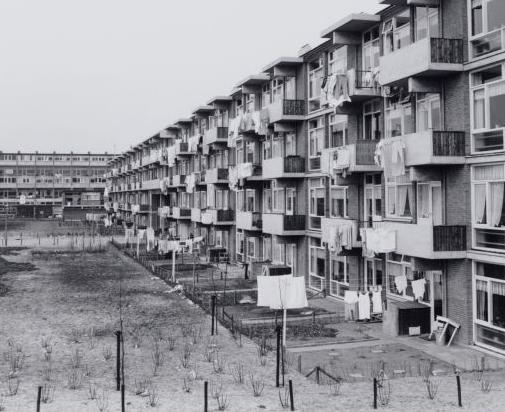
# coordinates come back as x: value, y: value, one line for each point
x: 278, y: 330
x: 118, y: 360
x: 205, y: 396
x: 291, y: 398
x: 39, y: 396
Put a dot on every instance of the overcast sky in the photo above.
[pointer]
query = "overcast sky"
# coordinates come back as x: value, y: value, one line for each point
x: 100, y: 75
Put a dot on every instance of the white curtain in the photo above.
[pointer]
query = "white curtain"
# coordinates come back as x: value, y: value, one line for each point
x: 495, y: 203
x: 402, y: 199
x: 498, y: 288
x: 480, y: 202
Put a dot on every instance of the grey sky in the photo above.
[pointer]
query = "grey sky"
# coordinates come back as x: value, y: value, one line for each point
x: 102, y: 74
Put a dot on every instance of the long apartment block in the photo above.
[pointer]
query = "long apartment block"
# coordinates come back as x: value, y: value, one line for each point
x: 52, y: 184
x: 374, y: 159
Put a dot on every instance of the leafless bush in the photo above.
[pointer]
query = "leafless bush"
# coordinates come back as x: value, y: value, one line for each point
x: 218, y: 364
x: 171, y: 342
x: 486, y: 385
x: 15, y: 357
x: 47, y: 343
x: 237, y: 372
x: 257, y: 385
x: 87, y: 370
x: 2, y: 402
x: 152, y: 396
x: 264, y: 345
x: 92, y: 338
x: 426, y: 369
x: 335, y: 387
x: 12, y: 385
x: 186, y: 385
x: 92, y: 391
x: 289, y: 360
x: 186, y: 330
x: 47, y: 393
x: 196, y: 335
x: 142, y: 386
x: 76, y: 359
x: 158, y: 335
x: 479, y: 367
x: 107, y: 353
x: 76, y: 335
x: 75, y: 378
x: 185, y: 356
x: 377, y: 368
x: 262, y: 358
x: 432, y: 385
x: 216, y: 388
x: 284, y: 397
x: 102, y: 401
x: 47, y: 372
x: 222, y: 402
x: 383, y: 390
x: 157, y: 358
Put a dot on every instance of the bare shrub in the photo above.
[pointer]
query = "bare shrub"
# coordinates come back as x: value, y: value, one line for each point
x: 92, y: 391
x: 92, y: 338
x: 76, y: 359
x: 284, y: 397
x: 157, y: 358
x: 102, y: 401
x: 486, y: 385
x: 196, y: 335
x: 383, y: 390
x: 289, y: 360
x: 47, y: 343
x: 222, y: 402
x: 186, y: 385
x: 152, y: 396
x: 12, y: 385
x: 335, y: 387
x: 185, y: 356
x: 15, y: 357
x: 47, y: 393
x: 2, y: 402
x: 257, y: 385
x: 216, y: 388
x: 107, y: 353
x: 87, y: 370
x: 76, y: 335
x: 426, y: 369
x: 262, y: 358
x: 75, y: 378
x: 432, y: 385
x: 218, y: 364
x: 237, y: 372
x: 479, y: 367
x: 171, y: 342
x: 142, y: 386
x: 47, y: 372
x: 264, y: 345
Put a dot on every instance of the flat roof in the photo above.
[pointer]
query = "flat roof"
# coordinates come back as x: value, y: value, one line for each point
x: 220, y: 99
x: 203, y: 109
x: 183, y: 120
x: 356, y: 22
x: 283, y: 61
x: 254, y: 80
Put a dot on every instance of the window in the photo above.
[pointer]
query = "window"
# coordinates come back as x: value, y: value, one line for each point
x: 240, y: 244
x: 426, y: 22
x: 251, y: 247
x: 267, y: 201
x: 316, y: 202
x: 399, y: 119
x: 428, y: 112
x: 290, y: 144
x: 290, y: 201
x: 372, y: 120
x: 396, y: 32
x: 338, y: 130
x: 316, y: 139
x: 487, y: 21
x: 489, y: 306
x: 338, y: 201
x: 278, y: 198
x: 317, y: 256
x: 267, y: 248
x: 488, y: 211
x: 315, y: 74
x: 373, y: 198
x: 339, y: 275
x: 337, y: 61
x: 250, y: 200
x: 373, y: 272
x: 250, y: 103
x: 488, y: 118
x: 371, y: 49
x: 399, y: 197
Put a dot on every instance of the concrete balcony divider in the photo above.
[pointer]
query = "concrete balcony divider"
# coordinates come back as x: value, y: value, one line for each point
x: 179, y: 212
x: 283, y: 225
x: 216, y: 175
x: 249, y: 220
x: 426, y: 57
x: 216, y: 135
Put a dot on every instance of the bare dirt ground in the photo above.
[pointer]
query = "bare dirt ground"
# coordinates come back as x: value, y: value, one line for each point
x: 57, y: 330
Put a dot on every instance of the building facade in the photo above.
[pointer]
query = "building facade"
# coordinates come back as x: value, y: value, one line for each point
x: 52, y: 184
x: 375, y: 159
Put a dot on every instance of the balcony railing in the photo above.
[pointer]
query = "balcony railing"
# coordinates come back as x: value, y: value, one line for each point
x: 365, y: 151
x: 449, y: 238
x: 144, y: 207
x: 183, y: 212
x: 294, y: 164
x: 225, y: 215
x: 222, y: 174
x: 294, y: 222
x: 446, y: 50
x: 293, y: 107
x: 448, y: 143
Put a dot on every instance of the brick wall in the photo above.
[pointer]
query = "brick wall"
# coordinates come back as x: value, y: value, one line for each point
x: 459, y: 297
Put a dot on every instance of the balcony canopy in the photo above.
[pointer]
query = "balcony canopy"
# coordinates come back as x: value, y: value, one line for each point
x: 411, y: 2
x: 183, y: 121
x: 282, y: 62
x: 352, y: 23
x: 202, y: 110
x: 254, y: 80
x: 220, y: 100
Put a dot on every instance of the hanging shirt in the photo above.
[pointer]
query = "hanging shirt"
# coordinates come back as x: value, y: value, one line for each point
x: 282, y: 292
x: 377, y: 301
x: 418, y: 288
x: 401, y: 283
x: 364, y: 306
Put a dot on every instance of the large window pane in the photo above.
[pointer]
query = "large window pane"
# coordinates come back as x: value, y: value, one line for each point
x: 497, y: 105
x: 479, y: 113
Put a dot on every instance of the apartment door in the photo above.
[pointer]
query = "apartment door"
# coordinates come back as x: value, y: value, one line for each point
x: 436, y: 294
x: 429, y: 203
x: 290, y: 201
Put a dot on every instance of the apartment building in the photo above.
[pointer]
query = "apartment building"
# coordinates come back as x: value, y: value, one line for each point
x: 48, y: 184
x: 374, y: 160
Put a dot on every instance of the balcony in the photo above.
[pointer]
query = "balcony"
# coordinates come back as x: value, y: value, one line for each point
x: 182, y: 149
x: 218, y: 217
x: 360, y: 154
x: 335, y: 222
x: 145, y: 207
x: 216, y: 135
x: 196, y: 214
x: 249, y: 220
x: 286, y: 110
x: 426, y: 241
x: 363, y: 85
x: 283, y: 225
x: 181, y: 212
x: 434, y: 147
x: 178, y: 180
x: 164, y: 211
x: 426, y: 57
x: 284, y: 167
x: 216, y: 175
x: 150, y: 184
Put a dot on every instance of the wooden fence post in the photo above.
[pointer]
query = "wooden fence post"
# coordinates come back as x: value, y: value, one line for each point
x: 39, y: 395
x: 291, y: 398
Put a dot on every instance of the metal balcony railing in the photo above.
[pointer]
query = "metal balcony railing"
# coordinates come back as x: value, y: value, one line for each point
x: 294, y: 164
x: 294, y: 222
x: 448, y: 143
x: 446, y: 50
x: 292, y: 107
x: 449, y: 238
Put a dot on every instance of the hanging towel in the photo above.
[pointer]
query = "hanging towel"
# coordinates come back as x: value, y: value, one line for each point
x: 418, y: 288
x: 364, y: 306
x: 401, y: 283
x: 282, y: 292
x: 377, y: 301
